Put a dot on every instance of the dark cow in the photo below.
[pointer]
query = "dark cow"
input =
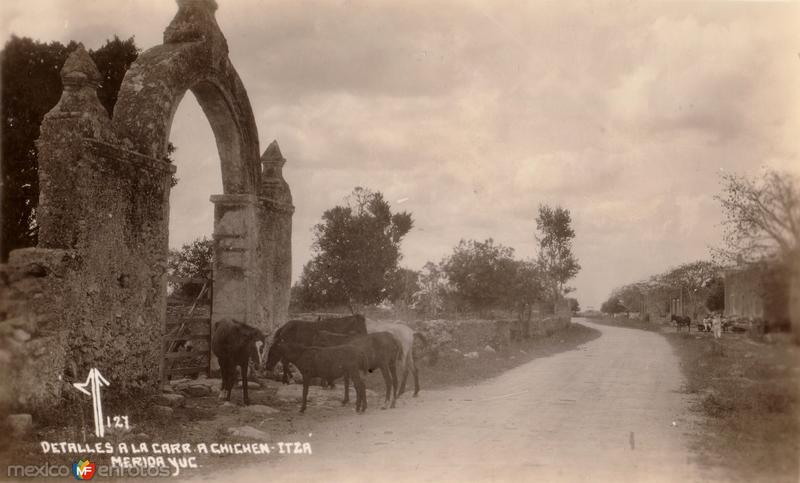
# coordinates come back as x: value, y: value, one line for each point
x: 681, y: 320
x: 303, y: 332
x: 328, y: 363
x: 235, y: 343
x: 382, y: 352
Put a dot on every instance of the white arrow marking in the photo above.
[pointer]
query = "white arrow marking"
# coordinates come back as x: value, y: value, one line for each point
x: 97, y: 381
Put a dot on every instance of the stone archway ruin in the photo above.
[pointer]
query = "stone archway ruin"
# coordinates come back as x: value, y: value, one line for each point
x: 93, y: 292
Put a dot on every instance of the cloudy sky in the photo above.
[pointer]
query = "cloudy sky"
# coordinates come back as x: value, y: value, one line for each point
x: 474, y: 113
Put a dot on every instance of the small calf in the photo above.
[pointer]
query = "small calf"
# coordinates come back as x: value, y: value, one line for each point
x: 303, y: 332
x: 235, y: 343
x: 382, y: 352
x: 328, y: 363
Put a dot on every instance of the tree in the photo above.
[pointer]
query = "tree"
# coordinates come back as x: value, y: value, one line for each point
x: 30, y: 87
x: 526, y: 289
x: 193, y: 260
x: 612, y: 306
x: 113, y: 60
x: 355, y: 252
x: 761, y: 216
x: 403, y: 285
x: 431, y: 290
x: 631, y: 296
x: 574, y: 306
x: 692, y: 282
x: 481, y: 273
x: 556, y: 260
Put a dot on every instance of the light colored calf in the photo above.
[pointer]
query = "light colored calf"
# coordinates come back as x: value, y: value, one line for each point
x: 405, y: 362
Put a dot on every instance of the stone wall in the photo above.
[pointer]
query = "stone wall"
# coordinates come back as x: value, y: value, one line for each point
x: 475, y: 334
x: 33, y: 341
x: 466, y: 335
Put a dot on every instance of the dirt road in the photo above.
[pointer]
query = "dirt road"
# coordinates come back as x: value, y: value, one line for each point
x: 609, y: 411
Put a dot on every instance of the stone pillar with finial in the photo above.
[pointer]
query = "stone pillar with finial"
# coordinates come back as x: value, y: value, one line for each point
x: 92, y: 292
x: 78, y: 115
x: 275, y: 239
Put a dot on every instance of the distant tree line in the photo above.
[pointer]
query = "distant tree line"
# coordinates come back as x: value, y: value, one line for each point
x: 356, y: 255
x: 698, y: 285
x: 761, y: 220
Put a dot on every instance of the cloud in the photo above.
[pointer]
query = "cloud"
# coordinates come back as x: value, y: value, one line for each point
x: 477, y: 112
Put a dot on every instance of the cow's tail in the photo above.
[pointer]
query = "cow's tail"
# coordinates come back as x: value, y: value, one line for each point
x: 364, y: 361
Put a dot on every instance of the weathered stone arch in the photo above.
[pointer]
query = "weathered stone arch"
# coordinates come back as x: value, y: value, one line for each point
x: 92, y: 293
x: 194, y: 57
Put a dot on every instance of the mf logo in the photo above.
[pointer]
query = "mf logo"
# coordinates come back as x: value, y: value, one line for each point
x: 83, y: 470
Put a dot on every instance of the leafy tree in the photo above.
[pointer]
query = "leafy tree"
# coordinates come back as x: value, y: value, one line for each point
x: 613, y: 306
x: 556, y: 260
x: 355, y: 252
x: 315, y: 288
x: 431, y: 290
x: 30, y: 86
x: 526, y: 289
x: 193, y: 260
x: 692, y: 281
x: 574, y: 306
x: 482, y: 273
x: 631, y: 296
x: 402, y: 287
x: 113, y: 60
x: 761, y: 216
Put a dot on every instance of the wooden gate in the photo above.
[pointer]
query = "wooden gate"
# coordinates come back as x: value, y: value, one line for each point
x: 186, y: 347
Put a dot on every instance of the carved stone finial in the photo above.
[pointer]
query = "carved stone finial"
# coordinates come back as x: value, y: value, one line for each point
x: 80, y: 70
x: 272, y: 160
x: 272, y: 183
x: 195, y: 22
x: 79, y: 109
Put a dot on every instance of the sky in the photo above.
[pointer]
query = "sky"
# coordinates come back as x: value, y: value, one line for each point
x: 471, y: 114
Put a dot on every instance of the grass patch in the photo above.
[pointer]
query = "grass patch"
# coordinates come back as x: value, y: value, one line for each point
x: 748, y: 395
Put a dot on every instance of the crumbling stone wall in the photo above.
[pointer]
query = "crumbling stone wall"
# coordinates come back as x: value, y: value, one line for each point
x: 466, y: 335
x: 475, y: 334
x: 33, y: 345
